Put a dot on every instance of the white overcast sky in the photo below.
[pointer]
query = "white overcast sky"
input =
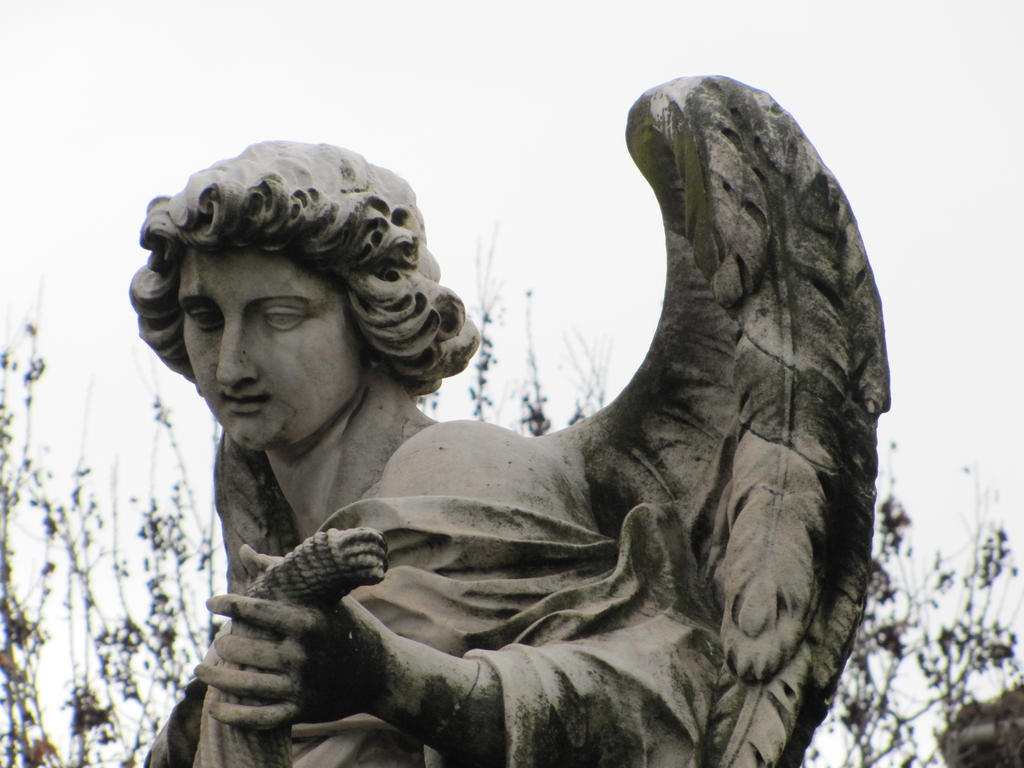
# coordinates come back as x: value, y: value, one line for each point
x: 513, y: 115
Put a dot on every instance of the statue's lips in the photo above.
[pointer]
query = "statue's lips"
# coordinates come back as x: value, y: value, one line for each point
x: 244, y: 404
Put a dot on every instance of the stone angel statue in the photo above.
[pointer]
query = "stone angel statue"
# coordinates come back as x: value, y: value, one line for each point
x: 675, y: 581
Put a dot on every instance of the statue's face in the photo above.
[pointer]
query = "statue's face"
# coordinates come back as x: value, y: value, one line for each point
x: 272, y: 348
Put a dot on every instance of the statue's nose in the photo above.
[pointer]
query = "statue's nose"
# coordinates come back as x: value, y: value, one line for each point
x: 234, y: 364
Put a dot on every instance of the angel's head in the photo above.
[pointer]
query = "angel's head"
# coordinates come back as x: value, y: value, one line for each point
x: 335, y: 218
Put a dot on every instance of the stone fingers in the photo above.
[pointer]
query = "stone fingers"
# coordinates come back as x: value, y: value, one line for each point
x: 246, y: 683
x: 285, y: 618
x: 261, y: 717
x: 255, y: 652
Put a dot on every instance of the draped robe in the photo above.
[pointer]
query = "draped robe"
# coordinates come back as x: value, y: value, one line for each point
x: 603, y: 650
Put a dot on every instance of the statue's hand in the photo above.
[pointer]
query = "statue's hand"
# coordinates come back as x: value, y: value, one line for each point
x: 287, y: 663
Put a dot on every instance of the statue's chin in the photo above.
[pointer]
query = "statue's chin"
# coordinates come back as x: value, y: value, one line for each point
x: 251, y: 432
x: 260, y: 423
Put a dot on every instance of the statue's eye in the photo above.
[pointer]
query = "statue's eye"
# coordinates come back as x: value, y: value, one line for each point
x: 283, y: 318
x: 206, y: 318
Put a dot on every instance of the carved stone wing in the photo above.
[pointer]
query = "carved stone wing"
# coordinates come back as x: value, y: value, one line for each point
x: 754, y: 413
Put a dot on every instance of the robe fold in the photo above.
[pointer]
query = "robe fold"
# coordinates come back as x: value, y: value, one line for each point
x: 605, y: 656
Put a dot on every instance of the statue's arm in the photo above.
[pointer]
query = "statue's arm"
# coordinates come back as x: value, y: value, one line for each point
x: 331, y: 664
x: 440, y: 699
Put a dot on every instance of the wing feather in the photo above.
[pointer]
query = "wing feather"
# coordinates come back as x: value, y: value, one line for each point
x: 766, y: 716
x: 774, y: 502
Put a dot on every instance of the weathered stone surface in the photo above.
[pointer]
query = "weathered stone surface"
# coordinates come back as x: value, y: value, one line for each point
x: 674, y: 581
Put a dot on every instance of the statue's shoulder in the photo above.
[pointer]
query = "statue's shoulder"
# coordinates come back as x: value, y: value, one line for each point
x: 478, y: 460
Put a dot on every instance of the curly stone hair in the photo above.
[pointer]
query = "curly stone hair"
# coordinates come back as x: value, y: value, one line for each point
x: 335, y: 215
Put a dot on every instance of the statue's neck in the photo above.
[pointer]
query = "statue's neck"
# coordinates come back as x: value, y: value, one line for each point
x: 347, y: 460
